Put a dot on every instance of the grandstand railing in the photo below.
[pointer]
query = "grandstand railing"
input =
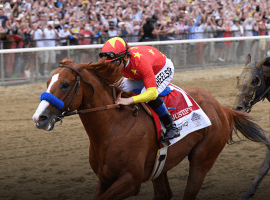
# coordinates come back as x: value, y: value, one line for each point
x: 129, y: 38
x: 185, y: 54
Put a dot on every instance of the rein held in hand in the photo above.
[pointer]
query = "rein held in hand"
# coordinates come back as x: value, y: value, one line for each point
x: 79, y: 77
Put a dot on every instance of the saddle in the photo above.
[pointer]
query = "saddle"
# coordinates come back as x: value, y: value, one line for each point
x: 186, y: 113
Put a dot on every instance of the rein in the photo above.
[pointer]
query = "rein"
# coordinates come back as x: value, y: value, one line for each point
x: 107, y: 107
x: 252, y: 102
x: 79, y: 77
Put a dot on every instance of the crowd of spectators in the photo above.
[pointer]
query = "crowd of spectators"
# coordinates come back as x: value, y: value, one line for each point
x: 46, y: 23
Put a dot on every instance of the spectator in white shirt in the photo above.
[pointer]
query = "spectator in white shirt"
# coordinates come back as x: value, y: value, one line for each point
x: 50, y: 34
x: 36, y: 34
x: 64, y: 34
x: 199, y: 32
x: 136, y: 14
x: 267, y: 25
x: 181, y: 28
x: 136, y: 31
x: 209, y: 29
x: 29, y: 5
x: 112, y: 32
x: 238, y: 31
x: 248, y: 27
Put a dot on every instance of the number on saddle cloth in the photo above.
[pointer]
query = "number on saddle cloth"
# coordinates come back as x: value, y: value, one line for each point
x: 165, y: 92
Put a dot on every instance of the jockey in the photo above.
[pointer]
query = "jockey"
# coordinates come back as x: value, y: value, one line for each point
x: 145, y: 69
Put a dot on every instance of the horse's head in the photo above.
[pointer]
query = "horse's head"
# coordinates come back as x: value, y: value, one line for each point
x: 251, y: 85
x: 70, y: 89
x: 64, y: 94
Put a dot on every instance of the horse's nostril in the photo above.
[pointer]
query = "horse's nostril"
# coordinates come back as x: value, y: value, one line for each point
x: 43, y: 118
x: 239, y: 108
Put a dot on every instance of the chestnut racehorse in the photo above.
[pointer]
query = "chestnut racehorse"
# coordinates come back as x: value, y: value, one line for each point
x: 123, y: 147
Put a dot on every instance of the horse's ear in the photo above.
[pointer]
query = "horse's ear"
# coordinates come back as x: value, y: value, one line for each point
x: 66, y: 59
x: 261, y: 63
x: 248, y: 59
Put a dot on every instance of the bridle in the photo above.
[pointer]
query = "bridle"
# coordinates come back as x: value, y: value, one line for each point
x: 76, y: 86
x: 259, y: 91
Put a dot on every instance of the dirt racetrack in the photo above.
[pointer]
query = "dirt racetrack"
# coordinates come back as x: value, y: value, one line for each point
x: 36, y: 164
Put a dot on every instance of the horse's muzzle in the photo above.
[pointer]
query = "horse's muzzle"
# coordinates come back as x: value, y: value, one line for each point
x: 46, y: 122
x: 239, y: 108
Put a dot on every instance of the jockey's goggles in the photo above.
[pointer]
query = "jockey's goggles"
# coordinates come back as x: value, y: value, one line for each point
x: 112, y: 56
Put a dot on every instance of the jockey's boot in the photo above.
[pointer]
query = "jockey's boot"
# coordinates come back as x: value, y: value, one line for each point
x: 160, y: 108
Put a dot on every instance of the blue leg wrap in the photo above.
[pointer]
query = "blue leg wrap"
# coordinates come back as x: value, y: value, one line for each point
x: 161, y: 110
x: 52, y: 99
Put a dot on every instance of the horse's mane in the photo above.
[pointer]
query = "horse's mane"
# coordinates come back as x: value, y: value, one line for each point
x: 107, y: 72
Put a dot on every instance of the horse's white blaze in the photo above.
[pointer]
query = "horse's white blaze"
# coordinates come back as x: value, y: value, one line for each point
x: 44, y: 104
x: 54, y: 79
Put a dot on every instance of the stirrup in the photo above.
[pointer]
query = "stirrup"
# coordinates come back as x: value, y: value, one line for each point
x: 175, y: 135
x: 162, y: 139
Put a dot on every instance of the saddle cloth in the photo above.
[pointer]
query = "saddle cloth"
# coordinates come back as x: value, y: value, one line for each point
x: 188, y: 115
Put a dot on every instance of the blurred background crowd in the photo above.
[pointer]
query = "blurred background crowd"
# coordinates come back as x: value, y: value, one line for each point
x: 91, y: 22
x: 39, y: 23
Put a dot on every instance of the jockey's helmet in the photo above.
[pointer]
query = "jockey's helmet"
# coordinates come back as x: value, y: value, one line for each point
x: 114, y: 49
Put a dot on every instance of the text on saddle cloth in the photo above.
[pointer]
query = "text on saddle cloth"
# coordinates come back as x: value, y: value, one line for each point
x: 188, y: 115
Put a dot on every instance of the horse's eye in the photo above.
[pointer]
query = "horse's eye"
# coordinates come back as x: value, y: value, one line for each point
x: 65, y: 85
x: 256, y: 81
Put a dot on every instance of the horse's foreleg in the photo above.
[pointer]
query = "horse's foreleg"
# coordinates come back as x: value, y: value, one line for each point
x: 122, y: 188
x: 162, y: 188
x: 262, y: 172
x: 101, y: 188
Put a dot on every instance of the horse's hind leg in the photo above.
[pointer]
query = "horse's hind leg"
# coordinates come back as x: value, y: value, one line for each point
x: 195, y: 181
x: 262, y: 172
x: 162, y: 188
x: 202, y: 159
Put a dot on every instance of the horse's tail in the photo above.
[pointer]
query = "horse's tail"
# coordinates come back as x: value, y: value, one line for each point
x: 243, y: 123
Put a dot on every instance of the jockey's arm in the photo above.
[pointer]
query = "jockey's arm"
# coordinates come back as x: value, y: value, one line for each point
x: 151, y: 89
x: 149, y: 95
